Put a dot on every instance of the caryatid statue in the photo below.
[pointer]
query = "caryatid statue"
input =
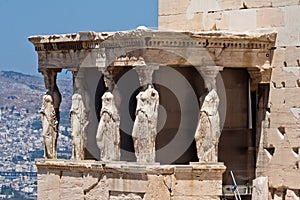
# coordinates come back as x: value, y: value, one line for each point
x: 49, y: 124
x: 50, y: 114
x: 51, y: 86
x: 79, y: 115
x: 145, y: 125
x: 208, y: 129
x: 108, y: 134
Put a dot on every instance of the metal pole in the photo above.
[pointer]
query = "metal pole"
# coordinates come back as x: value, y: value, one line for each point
x: 236, y: 191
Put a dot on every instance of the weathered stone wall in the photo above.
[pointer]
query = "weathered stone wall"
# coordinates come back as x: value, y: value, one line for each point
x: 279, y: 149
x: 58, y: 179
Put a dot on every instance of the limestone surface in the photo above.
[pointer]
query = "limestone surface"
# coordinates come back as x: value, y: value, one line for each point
x: 87, y: 179
x: 260, y: 188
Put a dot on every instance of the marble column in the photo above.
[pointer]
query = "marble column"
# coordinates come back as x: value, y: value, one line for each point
x: 208, y: 129
x: 108, y: 132
x: 79, y: 115
x: 145, y: 125
x: 50, y: 113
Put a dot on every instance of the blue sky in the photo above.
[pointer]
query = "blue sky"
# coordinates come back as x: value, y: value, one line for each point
x: 22, y: 18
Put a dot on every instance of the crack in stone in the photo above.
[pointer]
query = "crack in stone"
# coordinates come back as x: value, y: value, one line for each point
x: 85, y: 191
x: 169, y: 188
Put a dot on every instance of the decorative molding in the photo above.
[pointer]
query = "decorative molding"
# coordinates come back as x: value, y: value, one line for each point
x: 166, y: 48
x: 154, y: 43
x: 152, y: 39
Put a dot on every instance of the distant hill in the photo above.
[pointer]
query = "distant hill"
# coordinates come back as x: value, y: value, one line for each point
x: 26, y: 91
x: 21, y: 138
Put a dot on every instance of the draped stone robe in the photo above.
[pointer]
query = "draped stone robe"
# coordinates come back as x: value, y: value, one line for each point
x: 49, y: 124
x: 79, y: 122
x: 145, y: 125
x: 108, y: 134
x: 208, y: 129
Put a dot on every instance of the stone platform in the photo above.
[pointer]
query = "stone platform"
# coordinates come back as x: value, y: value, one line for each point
x: 88, y: 179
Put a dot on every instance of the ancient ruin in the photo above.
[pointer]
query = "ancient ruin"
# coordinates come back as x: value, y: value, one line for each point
x: 91, y: 52
x: 151, y: 134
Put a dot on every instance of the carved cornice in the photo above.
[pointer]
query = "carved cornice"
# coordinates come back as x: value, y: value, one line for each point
x: 151, y: 39
x: 165, y: 48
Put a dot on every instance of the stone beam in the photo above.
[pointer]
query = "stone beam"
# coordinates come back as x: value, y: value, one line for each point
x: 163, y: 47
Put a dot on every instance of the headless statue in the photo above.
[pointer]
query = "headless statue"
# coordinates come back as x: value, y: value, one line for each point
x: 145, y: 125
x: 108, y: 134
x: 208, y: 129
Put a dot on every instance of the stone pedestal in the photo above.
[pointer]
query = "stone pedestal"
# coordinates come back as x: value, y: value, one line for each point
x: 61, y: 179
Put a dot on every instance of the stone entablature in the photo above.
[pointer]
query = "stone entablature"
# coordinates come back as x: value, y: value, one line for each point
x: 86, y: 49
x: 151, y: 38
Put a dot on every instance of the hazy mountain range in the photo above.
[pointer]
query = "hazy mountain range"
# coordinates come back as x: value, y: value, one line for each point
x: 26, y: 91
